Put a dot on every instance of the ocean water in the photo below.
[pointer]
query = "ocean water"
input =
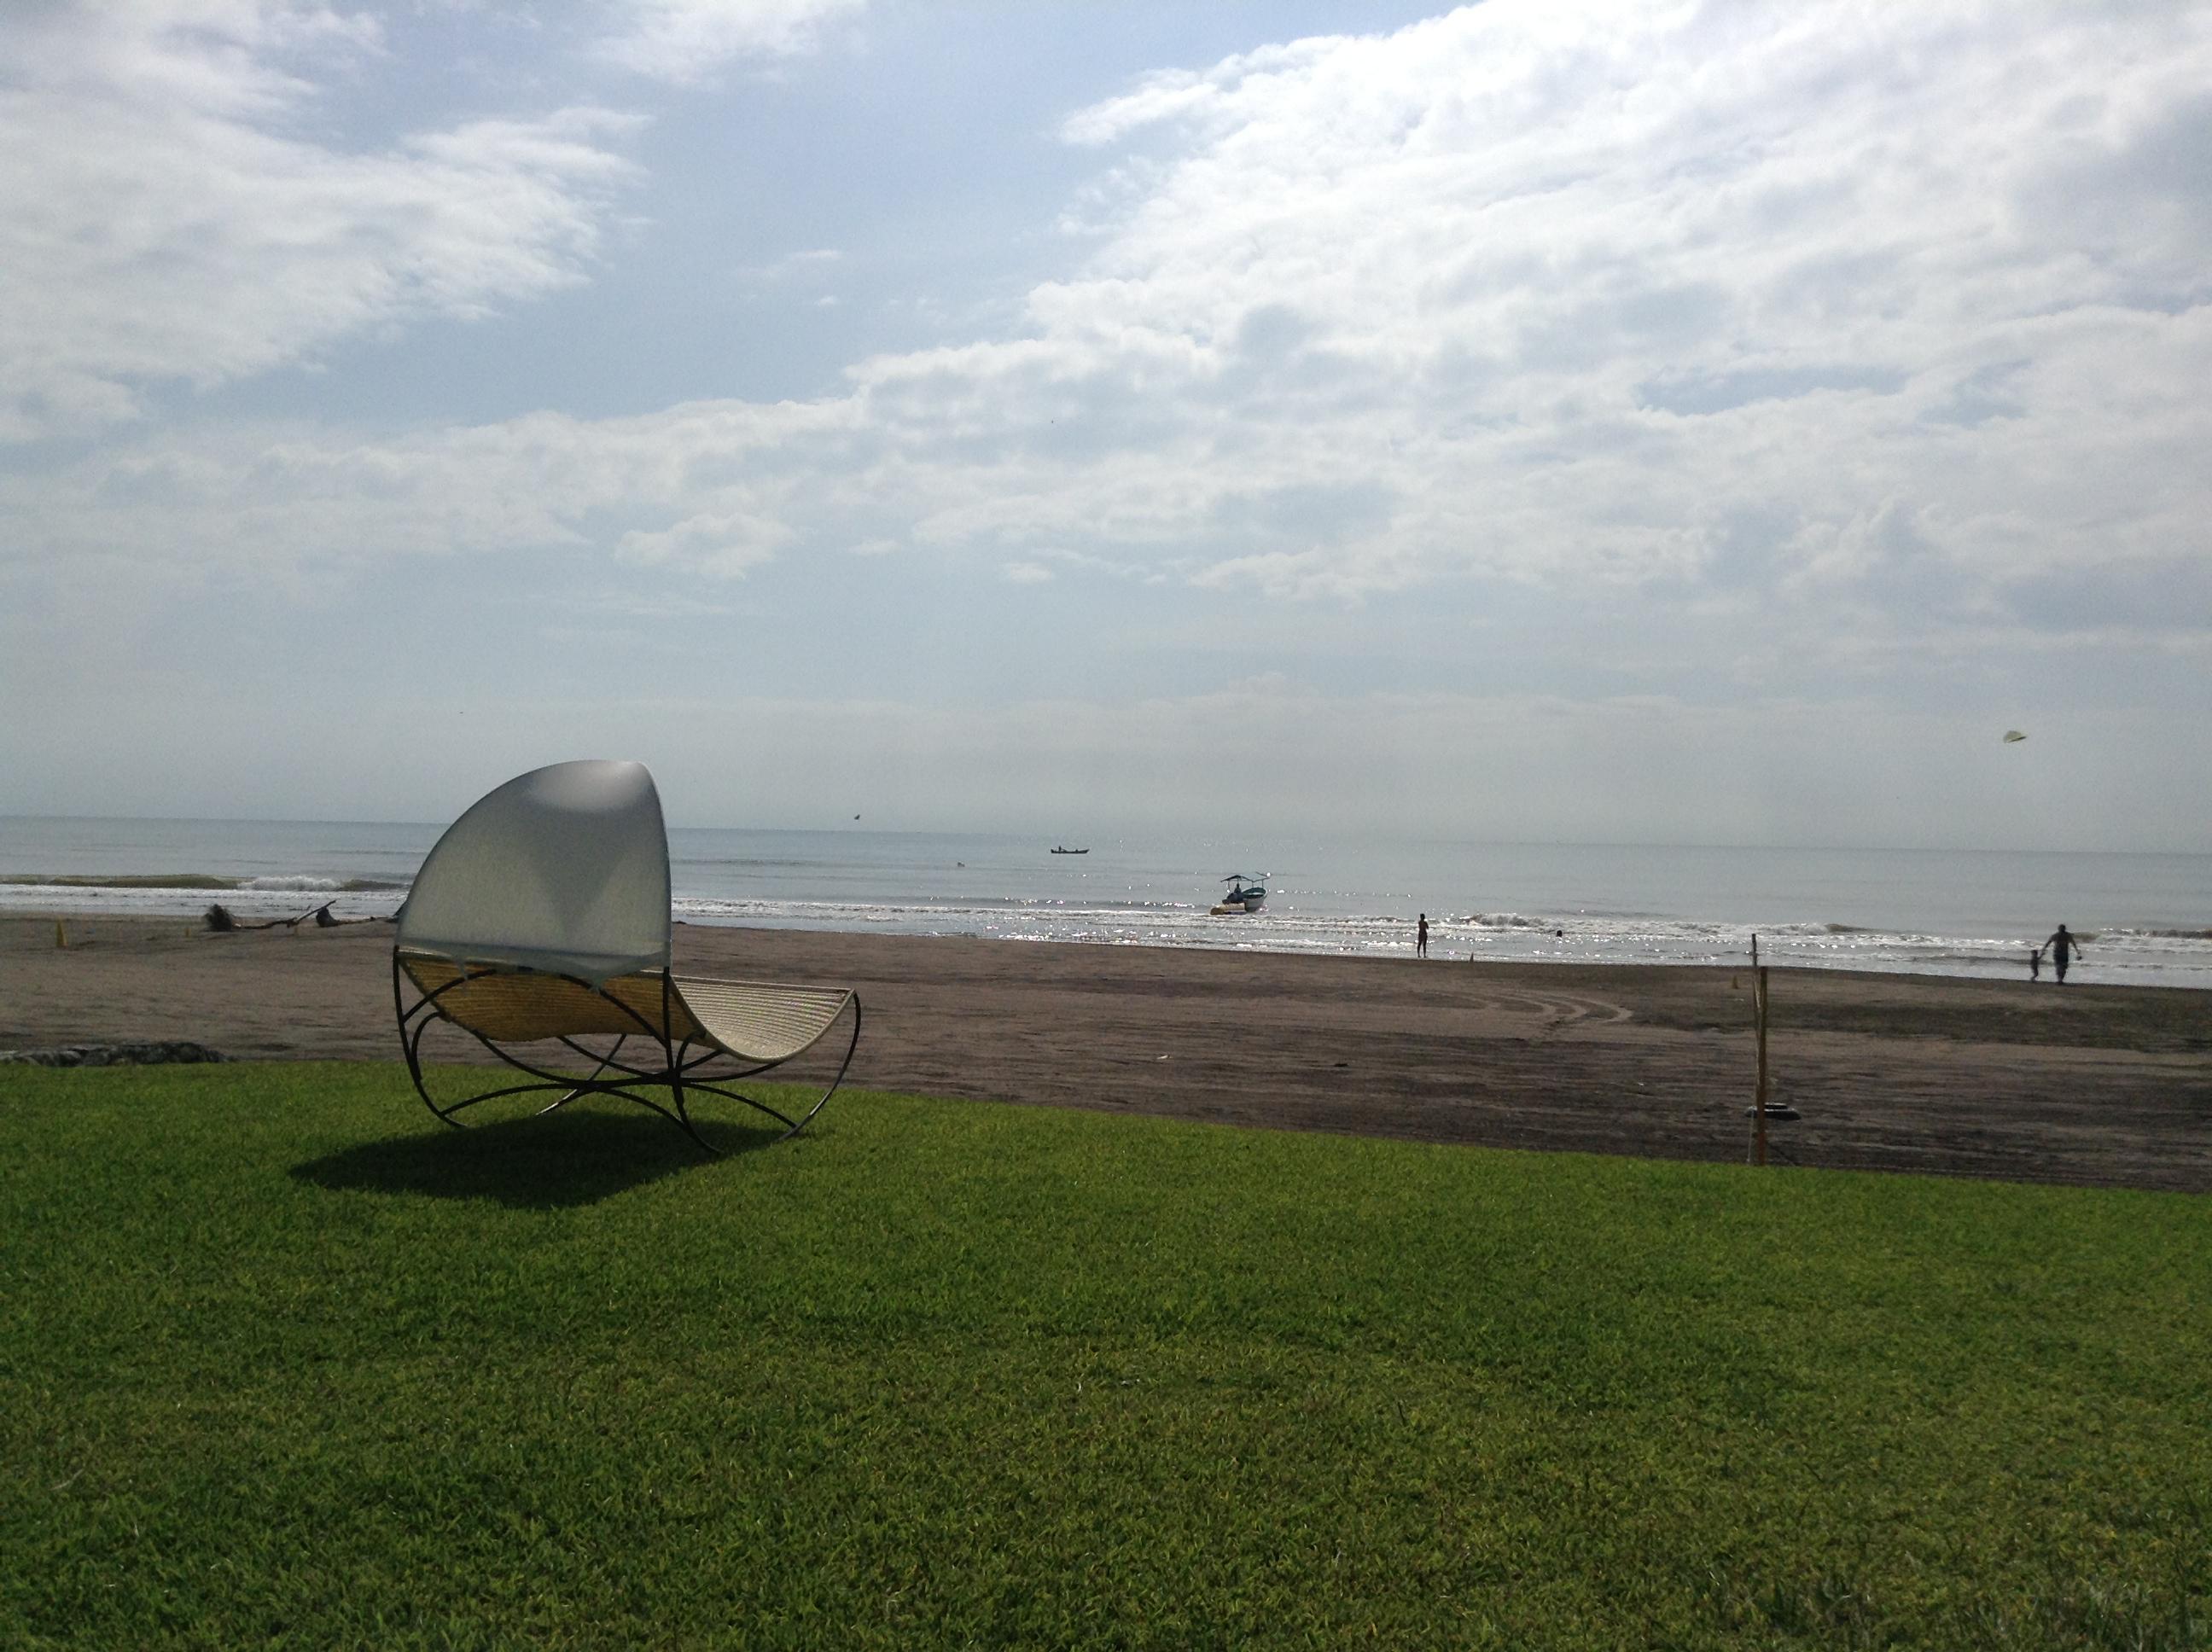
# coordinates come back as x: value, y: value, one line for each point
x: 2145, y: 919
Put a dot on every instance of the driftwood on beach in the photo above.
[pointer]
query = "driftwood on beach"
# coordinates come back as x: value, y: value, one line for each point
x: 223, y: 921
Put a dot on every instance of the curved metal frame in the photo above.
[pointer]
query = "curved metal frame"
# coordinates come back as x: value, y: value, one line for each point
x: 678, y: 1073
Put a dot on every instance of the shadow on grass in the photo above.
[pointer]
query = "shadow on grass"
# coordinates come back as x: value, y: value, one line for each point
x: 539, y: 1164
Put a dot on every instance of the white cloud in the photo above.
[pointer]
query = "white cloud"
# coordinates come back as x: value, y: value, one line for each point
x: 688, y: 40
x: 162, y: 220
x: 1853, y: 317
x: 1198, y: 100
x: 724, y: 545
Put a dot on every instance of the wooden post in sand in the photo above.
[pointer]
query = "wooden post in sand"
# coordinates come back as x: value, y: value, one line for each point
x: 1759, y: 1020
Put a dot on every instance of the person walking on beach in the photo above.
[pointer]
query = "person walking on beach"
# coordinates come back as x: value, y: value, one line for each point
x: 1421, y: 937
x: 2035, y: 963
x: 2062, y: 946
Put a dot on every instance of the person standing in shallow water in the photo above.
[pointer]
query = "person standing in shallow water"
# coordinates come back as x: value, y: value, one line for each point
x: 1421, y: 937
x: 2063, y: 947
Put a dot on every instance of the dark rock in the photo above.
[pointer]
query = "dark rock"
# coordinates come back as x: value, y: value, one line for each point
x: 113, y: 1055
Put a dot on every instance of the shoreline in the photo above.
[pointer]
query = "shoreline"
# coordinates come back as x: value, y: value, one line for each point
x: 1514, y: 941
x: 2085, y: 1084
x: 1969, y: 914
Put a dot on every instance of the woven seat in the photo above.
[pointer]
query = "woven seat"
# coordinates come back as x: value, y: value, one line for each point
x: 543, y: 916
x: 758, y: 1020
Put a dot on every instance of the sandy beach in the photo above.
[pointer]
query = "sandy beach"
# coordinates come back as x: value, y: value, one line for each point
x: 2088, y: 1083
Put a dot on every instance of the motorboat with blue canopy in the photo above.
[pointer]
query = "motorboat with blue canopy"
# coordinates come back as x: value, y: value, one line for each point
x: 1246, y: 893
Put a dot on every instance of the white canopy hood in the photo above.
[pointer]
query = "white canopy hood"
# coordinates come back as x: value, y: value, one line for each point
x: 564, y: 869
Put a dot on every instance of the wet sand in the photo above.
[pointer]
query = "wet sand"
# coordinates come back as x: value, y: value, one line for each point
x: 2085, y: 1083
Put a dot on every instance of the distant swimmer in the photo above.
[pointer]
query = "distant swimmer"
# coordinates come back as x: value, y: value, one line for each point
x: 1421, y: 937
x: 2063, y: 947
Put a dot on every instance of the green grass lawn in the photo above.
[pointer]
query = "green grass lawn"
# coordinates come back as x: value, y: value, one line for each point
x: 284, y: 1360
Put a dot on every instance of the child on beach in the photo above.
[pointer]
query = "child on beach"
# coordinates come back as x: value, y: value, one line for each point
x: 2035, y: 963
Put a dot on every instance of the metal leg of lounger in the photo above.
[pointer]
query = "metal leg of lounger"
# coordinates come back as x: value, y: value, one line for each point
x: 411, y: 1045
x: 851, y: 1044
x: 791, y: 1126
x: 707, y: 1087
x: 590, y: 1084
x: 677, y: 1063
x: 426, y: 1011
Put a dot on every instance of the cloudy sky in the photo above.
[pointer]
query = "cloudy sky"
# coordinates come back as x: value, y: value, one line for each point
x: 1610, y: 422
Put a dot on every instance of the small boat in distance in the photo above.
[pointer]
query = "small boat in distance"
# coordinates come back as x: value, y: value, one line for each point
x: 1245, y: 894
x: 1056, y: 850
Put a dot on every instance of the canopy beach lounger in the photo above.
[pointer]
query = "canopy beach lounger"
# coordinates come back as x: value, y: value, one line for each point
x: 542, y: 917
